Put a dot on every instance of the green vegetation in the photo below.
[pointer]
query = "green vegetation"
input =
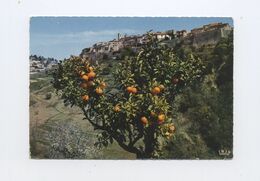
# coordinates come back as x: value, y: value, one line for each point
x: 207, y: 108
x: 55, y: 127
x: 200, y: 106
x: 138, y: 117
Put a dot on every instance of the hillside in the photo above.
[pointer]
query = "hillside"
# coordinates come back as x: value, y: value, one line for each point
x: 203, y: 111
x: 55, y: 129
x: 207, y: 35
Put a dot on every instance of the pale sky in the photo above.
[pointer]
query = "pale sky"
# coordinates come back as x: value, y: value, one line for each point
x: 60, y: 37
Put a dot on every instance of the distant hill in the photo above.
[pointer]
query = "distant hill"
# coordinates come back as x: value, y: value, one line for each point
x: 40, y: 63
x: 206, y: 35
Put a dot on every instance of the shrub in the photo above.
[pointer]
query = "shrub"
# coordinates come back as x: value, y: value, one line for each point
x: 48, y: 96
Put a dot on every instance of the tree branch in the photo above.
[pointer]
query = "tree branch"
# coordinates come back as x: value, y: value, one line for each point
x: 128, y: 147
x: 95, y: 125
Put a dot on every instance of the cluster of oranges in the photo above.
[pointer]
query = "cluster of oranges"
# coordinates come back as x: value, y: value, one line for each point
x: 88, y: 82
x: 155, y: 91
x: 160, y: 118
x: 131, y: 89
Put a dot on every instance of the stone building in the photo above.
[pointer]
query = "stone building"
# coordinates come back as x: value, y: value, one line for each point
x: 181, y: 34
x: 161, y: 36
x: 210, y: 34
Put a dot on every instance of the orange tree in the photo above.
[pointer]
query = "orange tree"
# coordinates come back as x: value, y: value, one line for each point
x: 138, y: 116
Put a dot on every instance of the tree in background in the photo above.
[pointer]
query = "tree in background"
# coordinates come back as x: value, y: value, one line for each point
x: 207, y: 108
x: 138, y: 116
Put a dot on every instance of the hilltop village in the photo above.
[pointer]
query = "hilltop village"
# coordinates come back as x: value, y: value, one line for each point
x: 205, y: 35
x: 40, y: 64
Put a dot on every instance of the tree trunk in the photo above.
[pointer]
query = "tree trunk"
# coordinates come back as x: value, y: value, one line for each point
x: 149, y: 143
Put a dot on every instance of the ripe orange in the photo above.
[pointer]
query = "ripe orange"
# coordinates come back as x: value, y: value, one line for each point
x: 117, y: 108
x: 161, y: 118
x: 144, y: 120
x: 132, y: 90
x: 85, y: 98
x: 156, y: 90
x: 85, y: 77
x: 129, y: 89
x: 103, y: 85
x: 91, y: 75
x: 99, y: 91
